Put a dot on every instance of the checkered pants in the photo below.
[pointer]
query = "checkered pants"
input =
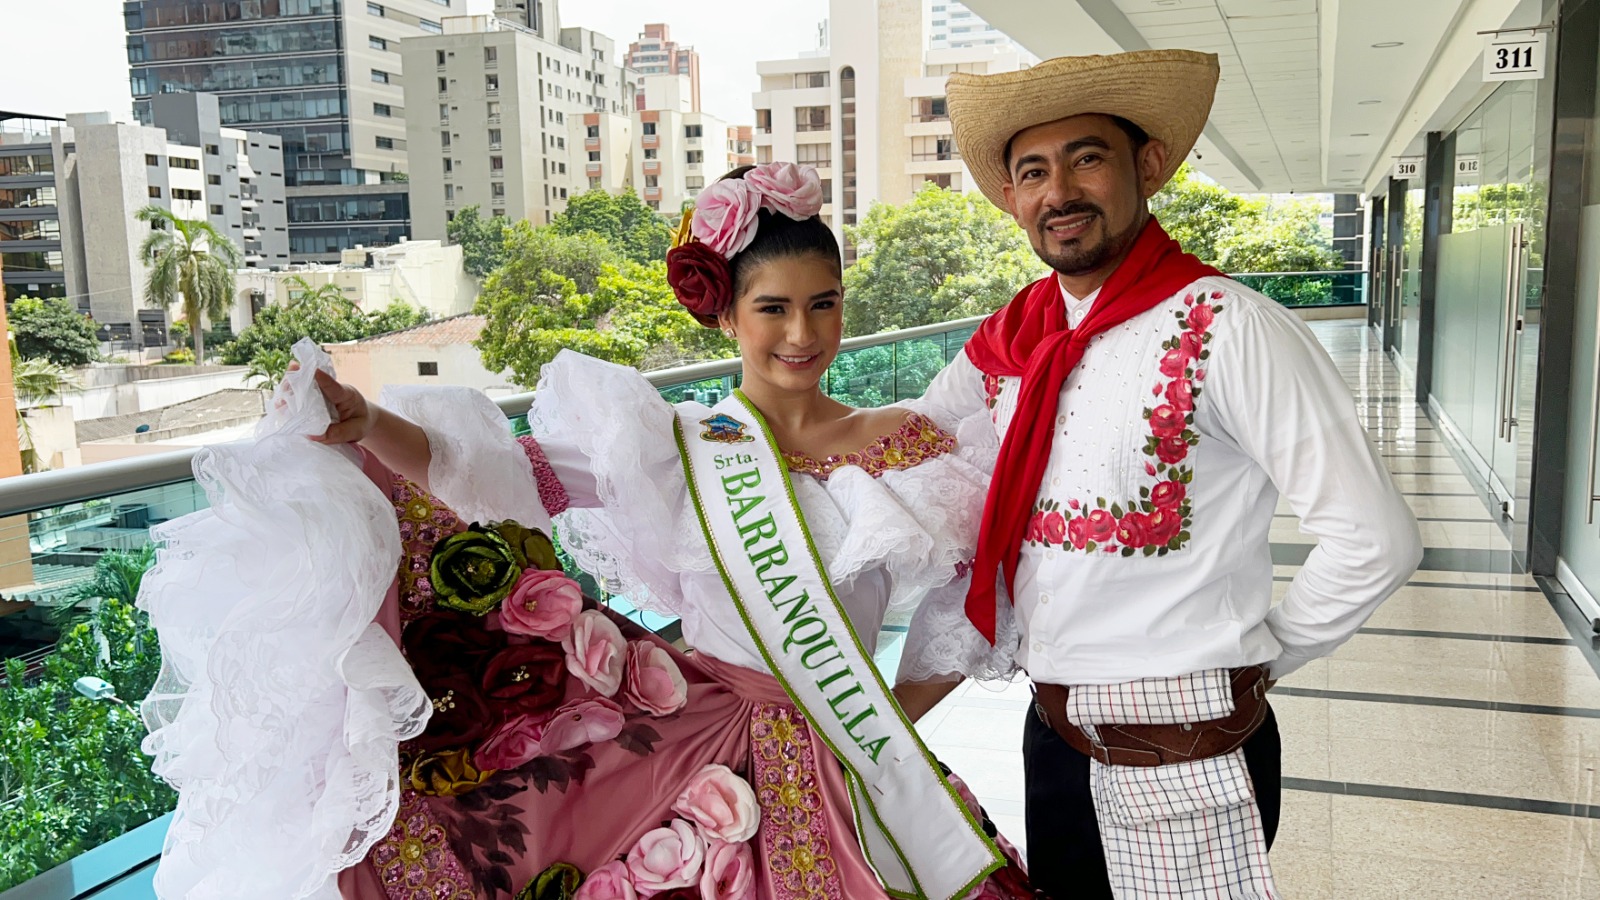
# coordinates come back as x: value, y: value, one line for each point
x: 1186, y: 830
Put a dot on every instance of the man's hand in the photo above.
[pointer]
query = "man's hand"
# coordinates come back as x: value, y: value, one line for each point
x: 917, y: 697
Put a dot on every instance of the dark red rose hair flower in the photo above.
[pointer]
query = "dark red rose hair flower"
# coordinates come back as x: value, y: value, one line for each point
x: 701, y: 280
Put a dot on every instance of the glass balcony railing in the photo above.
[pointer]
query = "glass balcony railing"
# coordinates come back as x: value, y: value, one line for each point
x: 1298, y: 289
x: 80, y: 813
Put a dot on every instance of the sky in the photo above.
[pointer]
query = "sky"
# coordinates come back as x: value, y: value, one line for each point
x: 74, y: 50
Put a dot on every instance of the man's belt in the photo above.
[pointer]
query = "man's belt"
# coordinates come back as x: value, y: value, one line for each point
x: 1160, y: 745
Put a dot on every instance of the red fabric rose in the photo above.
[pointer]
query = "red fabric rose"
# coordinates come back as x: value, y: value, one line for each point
x: 1134, y: 530
x: 1054, y: 527
x: 1164, y: 526
x: 701, y: 280
x: 1078, y: 533
x: 1180, y: 393
x: 1168, y: 494
x: 1174, y: 363
x: 1200, y: 318
x: 531, y: 678
x: 1166, y: 422
x: 460, y: 715
x: 1172, y: 450
x: 1101, y: 525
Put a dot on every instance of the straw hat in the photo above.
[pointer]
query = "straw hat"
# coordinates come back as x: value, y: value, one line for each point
x: 1168, y: 93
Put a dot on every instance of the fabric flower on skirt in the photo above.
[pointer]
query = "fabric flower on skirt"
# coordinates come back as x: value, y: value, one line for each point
x: 473, y: 571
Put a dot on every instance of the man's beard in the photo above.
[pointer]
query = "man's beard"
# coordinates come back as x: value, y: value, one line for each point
x: 1078, y: 258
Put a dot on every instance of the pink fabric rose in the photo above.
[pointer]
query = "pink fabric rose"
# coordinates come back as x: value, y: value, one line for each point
x: 667, y: 858
x: 1166, y: 422
x: 595, y: 649
x: 1168, y: 494
x: 1200, y: 318
x: 542, y: 605
x: 725, y: 216
x: 793, y: 190
x: 730, y: 872
x: 653, y: 682
x: 1172, y: 450
x: 513, y: 746
x: 1054, y: 528
x: 609, y: 882
x: 580, y: 723
x: 721, y: 803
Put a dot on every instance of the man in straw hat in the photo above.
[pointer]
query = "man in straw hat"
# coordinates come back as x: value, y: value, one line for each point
x: 1150, y: 413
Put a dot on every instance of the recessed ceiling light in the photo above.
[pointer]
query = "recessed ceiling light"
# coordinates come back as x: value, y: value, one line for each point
x: 1385, y: 45
x: 1360, y: 134
x: 1369, y: 103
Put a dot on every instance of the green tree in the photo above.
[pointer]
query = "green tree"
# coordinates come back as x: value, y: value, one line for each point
x: 301, y: 291
x: 38, y: 381
x: 1197, y: 212
x: 634, y: 230
x: 192, y: 262
x: 53, y: 329
x: 482, y: 240
x: 942, y: 256
x: 325, y: 318
x: 268, y: 368
x: 629, y: 315
x: 1287, y: 237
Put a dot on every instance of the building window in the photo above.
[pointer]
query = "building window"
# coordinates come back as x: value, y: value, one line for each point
x: 494, y: 137
x: 763, y: 155
x: 380, y: 76
x: 444, y: 87
x: 497, y: 189
x: 383, y: 109
x: 491, y: 83
x: 491, y: 56
x: 376, y: 9
x: 214, y: 179
x: 763, y: 121
x: 155, y: 192
x: 438, y: 58
x: 427, y: 368
x: 180, y: 162
x: 444, y: 112
x: 693, y: 131
x: 695, y: 157
x: 650, y: 154
x: 497, y: 163
x: 648, y: 129
x: 811, y: 80
x: 430, y: 26
x: 497, y: 213
x: 694, y: 182
x: 449, y: 165
x: 811, y: 118
x: 377, y: 43
x: 818, y: 155
x: 216, y: 209
x: 449, y: 193
x: 212, y: 150
x: 592, y: 131
x: 385, y: 143
x: 150, y: 159
x: 562, y: 168
x: 444, y: 139
x: 594, y: 156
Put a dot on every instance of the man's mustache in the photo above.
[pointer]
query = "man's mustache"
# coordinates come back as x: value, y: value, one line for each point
x: 1079, y: 208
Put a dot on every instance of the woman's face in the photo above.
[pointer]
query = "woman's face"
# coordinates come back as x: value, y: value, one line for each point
x: 789, y: 321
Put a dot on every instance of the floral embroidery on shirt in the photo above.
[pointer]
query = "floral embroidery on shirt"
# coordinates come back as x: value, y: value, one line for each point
x: 991, y: 389
x: 1159, y: 521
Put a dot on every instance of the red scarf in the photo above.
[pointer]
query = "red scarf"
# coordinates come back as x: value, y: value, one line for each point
x: 1030, y: 338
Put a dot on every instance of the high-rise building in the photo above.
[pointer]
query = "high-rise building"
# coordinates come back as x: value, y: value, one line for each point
x: 868, y: 110
x: 678, y: 151
x: 324, y: 75
x: 951, y: 25
x: 655, y: 53
x: 31, y: 264
x: 497, y: 111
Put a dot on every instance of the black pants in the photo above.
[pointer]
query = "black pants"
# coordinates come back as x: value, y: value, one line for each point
x: 1065, y: 859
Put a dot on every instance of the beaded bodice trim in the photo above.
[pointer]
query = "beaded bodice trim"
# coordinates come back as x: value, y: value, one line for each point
x: 916, y: 441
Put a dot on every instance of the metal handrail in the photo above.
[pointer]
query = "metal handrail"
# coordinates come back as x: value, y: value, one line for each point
x: 24, y: 494
x: 1281, y: 274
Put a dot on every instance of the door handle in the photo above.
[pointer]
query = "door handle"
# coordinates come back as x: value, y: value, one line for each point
x: 1508, y: 340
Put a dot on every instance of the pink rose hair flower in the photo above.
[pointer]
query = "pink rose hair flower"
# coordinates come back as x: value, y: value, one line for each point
x: 726, y: 216
x: 795, y: 191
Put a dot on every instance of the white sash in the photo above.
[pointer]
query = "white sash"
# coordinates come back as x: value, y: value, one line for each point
x: 916, y: 832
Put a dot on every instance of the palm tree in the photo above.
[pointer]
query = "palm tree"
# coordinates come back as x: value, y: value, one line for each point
x: 36, y: 380
x: 301, y: 291
x: 268, y: 368
x: 190, y: 261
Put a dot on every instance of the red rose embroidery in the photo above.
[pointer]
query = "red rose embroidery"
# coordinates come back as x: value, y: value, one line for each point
x: 1150, y: 468
x: 1172, y: 450
x: 1101, y: 524
x: 1174, y: 363
x: 1190, y: 345
x: 1054, y: 527
x: 1166, y: 422
x: 1164, y: 526
x: 1034, y: 532
x: 1134, y: 530
x: 1168, y: 494
x: 1200, y: 318
x: 1180, y: 393
x: 1078, y: 532
x: 700, y: 279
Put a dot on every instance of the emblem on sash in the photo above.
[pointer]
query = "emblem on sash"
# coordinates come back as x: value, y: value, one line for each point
x: 724, y: 429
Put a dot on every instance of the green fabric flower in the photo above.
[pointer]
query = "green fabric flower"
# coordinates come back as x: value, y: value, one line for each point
x: 473, y: 571
x: 559, y: 882
x: 530, y: 546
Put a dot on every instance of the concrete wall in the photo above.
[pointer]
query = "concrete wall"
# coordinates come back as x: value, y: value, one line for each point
x: 138, y: 396
x: 370, y: 367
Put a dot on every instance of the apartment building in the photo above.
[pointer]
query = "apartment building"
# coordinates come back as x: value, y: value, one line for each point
x: 656, y: 53
x: 679, y: 151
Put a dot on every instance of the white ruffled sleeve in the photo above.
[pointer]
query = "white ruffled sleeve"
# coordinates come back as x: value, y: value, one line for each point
x: 281, y: 703
x: 632, y: 525
x: 477, y: 469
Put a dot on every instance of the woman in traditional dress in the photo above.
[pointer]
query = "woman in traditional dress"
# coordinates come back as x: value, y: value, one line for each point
x: 568, y: 753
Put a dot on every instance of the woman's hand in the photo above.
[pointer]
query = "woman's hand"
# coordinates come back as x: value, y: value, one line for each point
x: 352, y: 415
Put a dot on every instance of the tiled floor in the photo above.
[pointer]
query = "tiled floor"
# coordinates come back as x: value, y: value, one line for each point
x: 1449, y: 750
